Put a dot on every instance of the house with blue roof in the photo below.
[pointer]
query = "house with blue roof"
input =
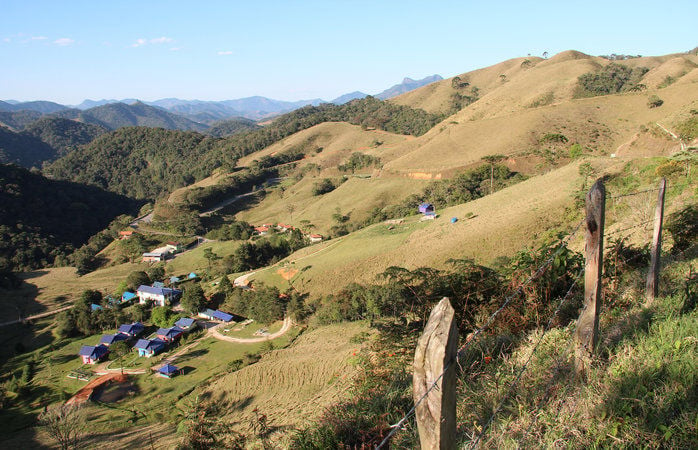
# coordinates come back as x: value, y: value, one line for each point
x: 91, y: 354
x: 169, y: 334
x: 186, y: 324
x: 131, y: 329
x: 148, y: 348
x: 168, y: 371
x: 161, y: 296
x: 211, y: 314
x: 109, y: 339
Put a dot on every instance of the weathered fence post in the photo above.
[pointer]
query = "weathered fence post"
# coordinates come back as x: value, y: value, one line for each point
x: 587, y: 332
x: 436, y: 351
x: 652, y: 286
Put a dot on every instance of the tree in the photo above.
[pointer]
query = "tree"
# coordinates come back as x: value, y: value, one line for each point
x: 65, y: 423
x: 210, y: 256
x: 156, y: 273
x: 120, y: 349
x: 136, y: 279
x: 161, y: 316
x: 193, y: 299
x: 225, y: 287
x: 545, y: 55
x: 493, y: 159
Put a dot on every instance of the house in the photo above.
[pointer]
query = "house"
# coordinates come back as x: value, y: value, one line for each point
x: 126, y: 234
x: 186, y: 324
x: 261, y: 230
x: 313, y: 238
x: 91, y: 355
x: 149, y: 348
x: 154, y: 257
x: 161, y: 296
x: 174, y: 247
x: 283, y: 227
x: 131, y: 329
x: 109, y: 339
x: 168, y: 371
x: 268, y: 225
x: 169, y: 334
x: 426, y: 208
x: 211, y: 314
x: 128, y: 296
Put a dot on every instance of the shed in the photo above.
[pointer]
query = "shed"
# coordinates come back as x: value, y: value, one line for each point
x: 128, y: 296
x: 426, y: 208
x: 222, y: 316
x: 168, y: 371
x: 192, y: 275
x: 148, y: 347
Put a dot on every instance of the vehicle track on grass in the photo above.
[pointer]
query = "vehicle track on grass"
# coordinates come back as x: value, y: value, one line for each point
x: 213, y: 332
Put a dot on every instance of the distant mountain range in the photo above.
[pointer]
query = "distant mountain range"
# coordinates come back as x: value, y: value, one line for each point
x: 201, y: 113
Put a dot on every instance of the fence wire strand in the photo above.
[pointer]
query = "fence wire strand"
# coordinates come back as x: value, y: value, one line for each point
x: 562, y: 243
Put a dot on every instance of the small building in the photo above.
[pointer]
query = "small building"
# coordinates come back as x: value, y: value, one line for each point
x: 169, y: 334
x: 158, y: 284
x: 128, y: 296
x: 283, y: 227
x: 126, y: 234
x: 261, y: 230
x: 131, y: 329
x: 268, y: 225
x: 109, y: 339
x: 174, y: 247
x: 174, y: 280
x: 168, y: 371
x: 211, y: 314
x: 91, y: 354
x: 426, y: 208
x: 154, y: 256
x: 192, y: 275
x: 313, y: 238
x: 161, y: 296
x: 95, y: 307
x: 186, y: 324
x: 454, y: 219
x: 148, y: 348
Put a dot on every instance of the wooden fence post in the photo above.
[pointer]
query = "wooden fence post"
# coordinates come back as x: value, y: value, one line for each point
x: 437, y: 348
x: 652, y: 286
x: 587, y: 332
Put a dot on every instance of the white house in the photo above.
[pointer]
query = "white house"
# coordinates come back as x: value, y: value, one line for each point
x: 161, y: 296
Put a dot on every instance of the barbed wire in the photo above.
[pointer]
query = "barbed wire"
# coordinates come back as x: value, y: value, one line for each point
x: 630, y: 194
x: 530, y: 358
x: 562, y: 244
x: 637, y: 225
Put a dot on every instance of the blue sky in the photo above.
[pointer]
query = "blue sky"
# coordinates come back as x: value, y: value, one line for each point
x: 291, y: 50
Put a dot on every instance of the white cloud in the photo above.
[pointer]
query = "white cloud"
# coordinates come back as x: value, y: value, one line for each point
x: 39, y: 38
x: 161, y: 40
x: 139, y: 42
x: 224, y: 53
x: 64, y: 41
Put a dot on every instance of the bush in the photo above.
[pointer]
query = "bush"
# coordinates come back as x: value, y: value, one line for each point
x: 323, y: 186
x: 654, y: 102
x: 611, y: 79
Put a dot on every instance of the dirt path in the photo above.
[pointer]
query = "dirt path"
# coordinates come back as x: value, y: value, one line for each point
x: 286, y: 326
x: 36, y: 316
x: 173, y: 357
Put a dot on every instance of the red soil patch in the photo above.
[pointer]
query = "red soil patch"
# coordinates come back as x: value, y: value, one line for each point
x: 86, y: 392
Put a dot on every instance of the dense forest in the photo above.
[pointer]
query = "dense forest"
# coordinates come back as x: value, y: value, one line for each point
x: 23, y: 149
x: 18, y: 120
x: 146, y: 163
x: 64, y: 135
x: 41, y: 219
x: 229, y: 127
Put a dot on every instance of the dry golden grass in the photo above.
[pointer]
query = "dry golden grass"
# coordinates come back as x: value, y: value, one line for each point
x: 292, y: 386
x: 675, y: 68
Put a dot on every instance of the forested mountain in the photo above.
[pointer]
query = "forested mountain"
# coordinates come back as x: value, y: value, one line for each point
x: 40, y: 106
x: 342, y: 99
x: 229, y: 127
x: 408, y: 84
x: 17, y: 120
x: 24, y: 149
x: 41, y: 218
x: 117, y: 115
x: 64, y: 135
x: 142, y: 162
x: 146, y: 163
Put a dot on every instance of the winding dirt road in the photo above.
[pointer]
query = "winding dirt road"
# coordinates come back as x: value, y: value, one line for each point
x: 213, y: 332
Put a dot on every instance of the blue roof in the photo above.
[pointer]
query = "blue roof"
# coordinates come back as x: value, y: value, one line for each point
x: 185, y: 322
x: 168, y: 369
x: 208, y: 312
x: 128, y: 295
x: 220, y: 315
x: 174, y: 279
x: 158, y: 290
x: 193, y: 275
x: 131, y: 328
x: 93, y: 352
x: 95, y: 307
x: 146, y: 344
x: 168, y: 332
x: 111, y: 338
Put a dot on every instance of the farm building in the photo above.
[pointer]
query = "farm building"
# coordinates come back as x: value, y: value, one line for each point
x: 131, y: 329
x: 168, y: 371
x: 109, y: 339
x: 186, y: 324
x: 154, y: 257
x: 91, y: 354
x: 211, y: 314
x: 169, y: 334
x: 161, y: 296
x: 174, y: 247
x: 261, y: 230
x: 313, y: 238
x: 426, y: 208
x: 149, y: 348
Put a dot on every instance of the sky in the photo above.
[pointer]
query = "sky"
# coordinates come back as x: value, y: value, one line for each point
x: 68, y: 51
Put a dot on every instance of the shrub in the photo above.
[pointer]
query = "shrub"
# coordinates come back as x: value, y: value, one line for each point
x: 575, y: 150
x: 654, y: 102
